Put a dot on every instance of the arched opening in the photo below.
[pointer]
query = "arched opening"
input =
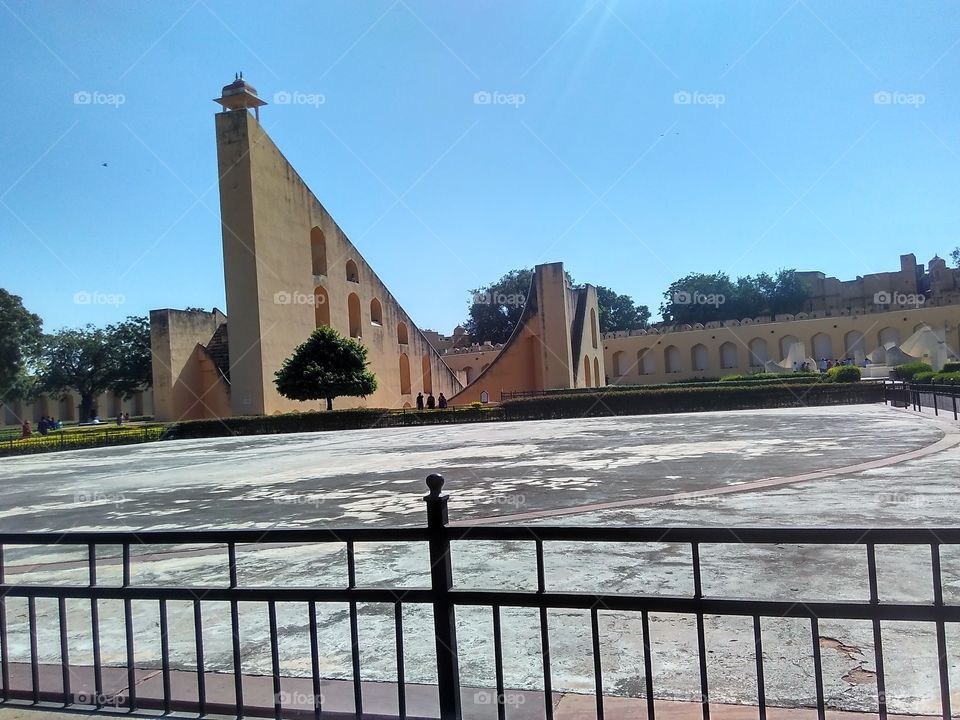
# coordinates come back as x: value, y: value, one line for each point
x: 646, y: 362
x: 699, y: 357
x: 729, y: 356
x: 787, y: 342
x: 68, y: 409
x: 469, y: 373
x: 598, y: 379
x: 586, y: 372
x: 318, y: 251
x: 404, y: 374
x: 352, y: 274
x: 889, y: 335
x: 853, y: 346
x: 671, y: 359
x: 594, y: 328
x: 321, y: 306
x: 376, y: 312
x: 353, y: 309
x: 822, y: 347
x: 402, y: 333
x: 427, y: 373
x: 758, y: 353
x: 618, y: 366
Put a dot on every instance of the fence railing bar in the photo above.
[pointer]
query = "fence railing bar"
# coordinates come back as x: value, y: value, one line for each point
x: 97, y: 664
x: 758, y: 653
x: 817, y: 668
x: 597, y: 664
x: 275, y: 661
x: 131, y: 668
x: 401, y: 673
x: 201, y: 673
x: 647, y: 664
x: 941, y: 632
x: 165, y: 655
x: 498, y: 663
x: 877, y: 638
x: 701, y: 640
x: 237, y: 657
x: 314, y: 659
x: 34, y: 653
x: 4, y: 652
x: 547, y: 675
x: 64, y: 649
x: 354, y: 632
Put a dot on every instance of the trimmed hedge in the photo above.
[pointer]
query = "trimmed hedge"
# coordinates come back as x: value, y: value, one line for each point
x: 762, y: 376
x: 951, y: 367
x: 908, y: 370
x: 355, y: 419
x: 939, y: 378
x: 843, y: 374
x: 685, y: 399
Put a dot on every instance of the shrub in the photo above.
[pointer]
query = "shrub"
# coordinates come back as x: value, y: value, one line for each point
x: 940, y: 378
x: 843, y: 374
x: 923, y: 378
x: 951, y: 367
x: 762, y: 376
x: 907, y: 371
x: 689, y: 399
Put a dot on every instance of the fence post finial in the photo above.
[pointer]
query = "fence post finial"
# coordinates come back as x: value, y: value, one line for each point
x: 444, y: 619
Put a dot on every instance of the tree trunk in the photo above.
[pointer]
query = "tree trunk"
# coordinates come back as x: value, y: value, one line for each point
x: 87, y: 409
x: 329, y: 403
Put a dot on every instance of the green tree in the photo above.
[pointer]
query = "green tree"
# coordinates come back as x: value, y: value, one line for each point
x: 955, y: 256
x: 701, y: 298
x: 326, y: 366
x: 20, y: 335
x: 495, y: 309
x: 620, y: 312
x: 93, y: 360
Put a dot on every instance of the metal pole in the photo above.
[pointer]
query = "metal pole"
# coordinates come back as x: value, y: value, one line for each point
x: 444, y: 619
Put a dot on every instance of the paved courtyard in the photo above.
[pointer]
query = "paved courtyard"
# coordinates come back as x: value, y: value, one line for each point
x: 826, y: 467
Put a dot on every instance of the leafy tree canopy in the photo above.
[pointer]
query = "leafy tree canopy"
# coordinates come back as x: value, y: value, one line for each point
x: 326, y: 366
x: 955, y: 256
x: 495, y: 309
x: 93, y: 360
x: 701, y: 298
x: 20, y: 334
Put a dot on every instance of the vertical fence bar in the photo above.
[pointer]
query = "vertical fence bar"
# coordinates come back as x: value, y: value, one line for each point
x: 5, y: 660
x: 275, y: 660
x: 128, y: 631
x: 544, y: 634
x: 877, y: 639
x: 701, y: 639
x: 647, y: 663
x: 201, y: 673
x: 936, y: 399
x: 761, y: 683
x: 953, y: 397
x: 235, y: 631
x: 95, y: 626
x: 401, y: 679
x: 597, y: 665
x: 941, y: 632
x: 64, y: 649
x: 817, y: 668
x: 498, y: 663
x: 34, y: 663
x: 354, y: 631
x: 315, y: 660
x: 165, y: 655
x: 444, y: 615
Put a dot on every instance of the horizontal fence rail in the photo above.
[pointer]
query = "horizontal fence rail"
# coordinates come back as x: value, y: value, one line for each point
x: 941, y: 398
x: 18, y: 573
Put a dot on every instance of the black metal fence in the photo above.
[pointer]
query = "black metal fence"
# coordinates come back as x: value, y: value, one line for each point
x: 941, y: 398
x: 64, y: 440
x: 445, y: 598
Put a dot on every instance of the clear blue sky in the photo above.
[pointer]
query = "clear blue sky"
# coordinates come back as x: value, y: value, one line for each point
x: 785, y: 155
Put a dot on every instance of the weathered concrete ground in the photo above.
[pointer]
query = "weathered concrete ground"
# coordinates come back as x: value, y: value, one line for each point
x: 376, y: 477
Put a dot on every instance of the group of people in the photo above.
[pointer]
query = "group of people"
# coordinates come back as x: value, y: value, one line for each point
x: 45, y: 425
x: 825, y: 364
x: 432, y: 402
